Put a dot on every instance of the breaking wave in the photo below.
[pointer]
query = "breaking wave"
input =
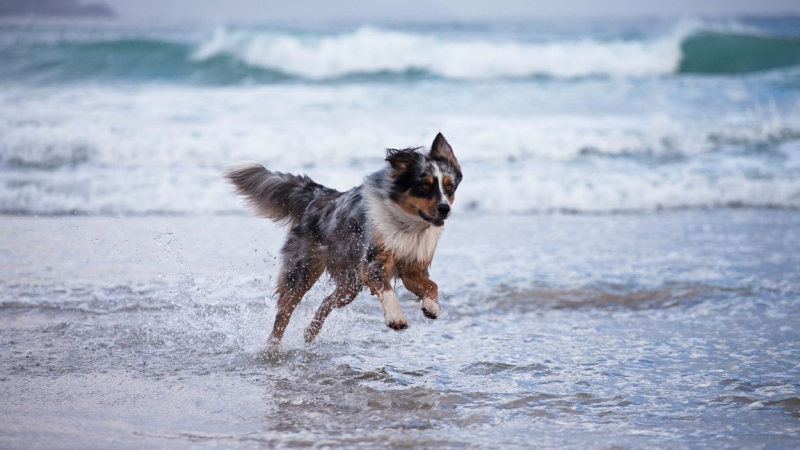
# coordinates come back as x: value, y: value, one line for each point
x: 738, y: 170
x: 235, y: 56
x: 374, y: 51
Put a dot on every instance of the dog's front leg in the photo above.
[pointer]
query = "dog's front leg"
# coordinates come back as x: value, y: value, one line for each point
x: 376, y: 273
x: 417, y: 281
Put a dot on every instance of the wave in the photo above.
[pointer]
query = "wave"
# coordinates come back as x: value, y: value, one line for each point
x: 189, y: 182
x: 721, y: 53
x: 160, y: 150
x: 236, y: 56
x: 371, y: 50
x: 128, y: 59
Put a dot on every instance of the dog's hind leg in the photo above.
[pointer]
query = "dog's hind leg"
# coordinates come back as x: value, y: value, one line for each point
x: 341, y: 297
x: 297, y: 275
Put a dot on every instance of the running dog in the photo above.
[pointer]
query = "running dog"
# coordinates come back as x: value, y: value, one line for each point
x: 368, y: 236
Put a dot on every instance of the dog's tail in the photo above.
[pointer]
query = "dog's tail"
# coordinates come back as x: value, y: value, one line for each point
x: 281, y: 197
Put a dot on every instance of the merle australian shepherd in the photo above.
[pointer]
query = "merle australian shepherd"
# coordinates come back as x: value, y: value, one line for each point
x: 365, y: 237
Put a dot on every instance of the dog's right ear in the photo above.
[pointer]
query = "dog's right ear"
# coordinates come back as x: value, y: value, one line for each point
x: 401, y: 159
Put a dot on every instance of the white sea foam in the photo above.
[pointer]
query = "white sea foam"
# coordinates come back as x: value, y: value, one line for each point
x: 162, y: 149
x: 373, y: 50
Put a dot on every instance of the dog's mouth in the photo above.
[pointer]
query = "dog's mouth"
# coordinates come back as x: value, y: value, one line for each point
x: 435, y: 222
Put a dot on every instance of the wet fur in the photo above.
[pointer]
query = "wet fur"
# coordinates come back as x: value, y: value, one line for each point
x: 386, y: 228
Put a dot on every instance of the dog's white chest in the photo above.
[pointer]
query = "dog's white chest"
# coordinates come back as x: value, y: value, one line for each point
x: 415, y: 246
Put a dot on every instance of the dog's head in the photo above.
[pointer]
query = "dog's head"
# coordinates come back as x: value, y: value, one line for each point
x: 424, y: 184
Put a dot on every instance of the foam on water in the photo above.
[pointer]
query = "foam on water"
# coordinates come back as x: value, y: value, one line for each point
x: 372, y: 50
x: 162, y: 149
x: 686, y: 48
x: 231, y: 55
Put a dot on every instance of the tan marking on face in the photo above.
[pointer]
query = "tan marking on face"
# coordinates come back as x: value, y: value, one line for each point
x: 448, y: 180
x: 412, y: 205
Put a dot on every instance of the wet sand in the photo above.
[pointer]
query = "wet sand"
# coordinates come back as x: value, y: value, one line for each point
x: 673, y: 330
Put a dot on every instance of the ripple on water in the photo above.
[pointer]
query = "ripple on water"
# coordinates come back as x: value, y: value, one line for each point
x: 636, y: 365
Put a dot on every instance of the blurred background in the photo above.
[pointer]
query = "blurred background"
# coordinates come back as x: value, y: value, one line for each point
x: 620, y: 270
x: 135, y: 107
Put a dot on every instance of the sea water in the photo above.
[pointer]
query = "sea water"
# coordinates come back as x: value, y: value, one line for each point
x: 580, y: 116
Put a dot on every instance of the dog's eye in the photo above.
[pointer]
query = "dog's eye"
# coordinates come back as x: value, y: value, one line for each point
x: 449, y: 188
x: 425, y: 186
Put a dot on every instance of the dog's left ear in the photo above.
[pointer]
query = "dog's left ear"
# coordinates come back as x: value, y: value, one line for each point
x: 441, y: 150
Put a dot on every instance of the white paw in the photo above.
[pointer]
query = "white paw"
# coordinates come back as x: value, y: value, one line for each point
x: 394, y: 317
x: 430, y: 308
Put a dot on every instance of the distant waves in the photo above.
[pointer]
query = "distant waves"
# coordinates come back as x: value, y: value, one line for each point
x: 243, y: 56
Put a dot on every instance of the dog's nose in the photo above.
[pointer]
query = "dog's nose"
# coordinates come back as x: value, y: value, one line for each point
x: 443, y: 208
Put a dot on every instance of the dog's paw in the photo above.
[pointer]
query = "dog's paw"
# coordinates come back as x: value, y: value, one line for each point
x: 430, y: 308
x: 392, y: 314
x: 395, y: 319
x: 397, y: 325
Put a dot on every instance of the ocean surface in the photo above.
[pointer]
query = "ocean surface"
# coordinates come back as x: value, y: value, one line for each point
x: 622, y: 268
x: 580, y: 116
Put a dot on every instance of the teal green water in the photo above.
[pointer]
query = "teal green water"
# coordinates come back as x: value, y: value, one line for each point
x: 721, y: 53
x: 231, y: 55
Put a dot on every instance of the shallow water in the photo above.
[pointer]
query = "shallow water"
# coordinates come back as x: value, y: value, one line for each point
x: 671, y: 330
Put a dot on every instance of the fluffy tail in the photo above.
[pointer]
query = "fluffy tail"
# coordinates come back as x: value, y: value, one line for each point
x: 281, y: 197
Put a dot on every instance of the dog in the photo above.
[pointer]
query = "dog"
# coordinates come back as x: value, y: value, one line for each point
x: 384, y: 229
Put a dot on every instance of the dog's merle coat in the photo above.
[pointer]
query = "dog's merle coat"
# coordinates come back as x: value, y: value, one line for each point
x: 386, y: 228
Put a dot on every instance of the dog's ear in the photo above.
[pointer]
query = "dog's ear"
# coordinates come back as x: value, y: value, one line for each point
x: 441, y: 150
x: 401, y: 159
